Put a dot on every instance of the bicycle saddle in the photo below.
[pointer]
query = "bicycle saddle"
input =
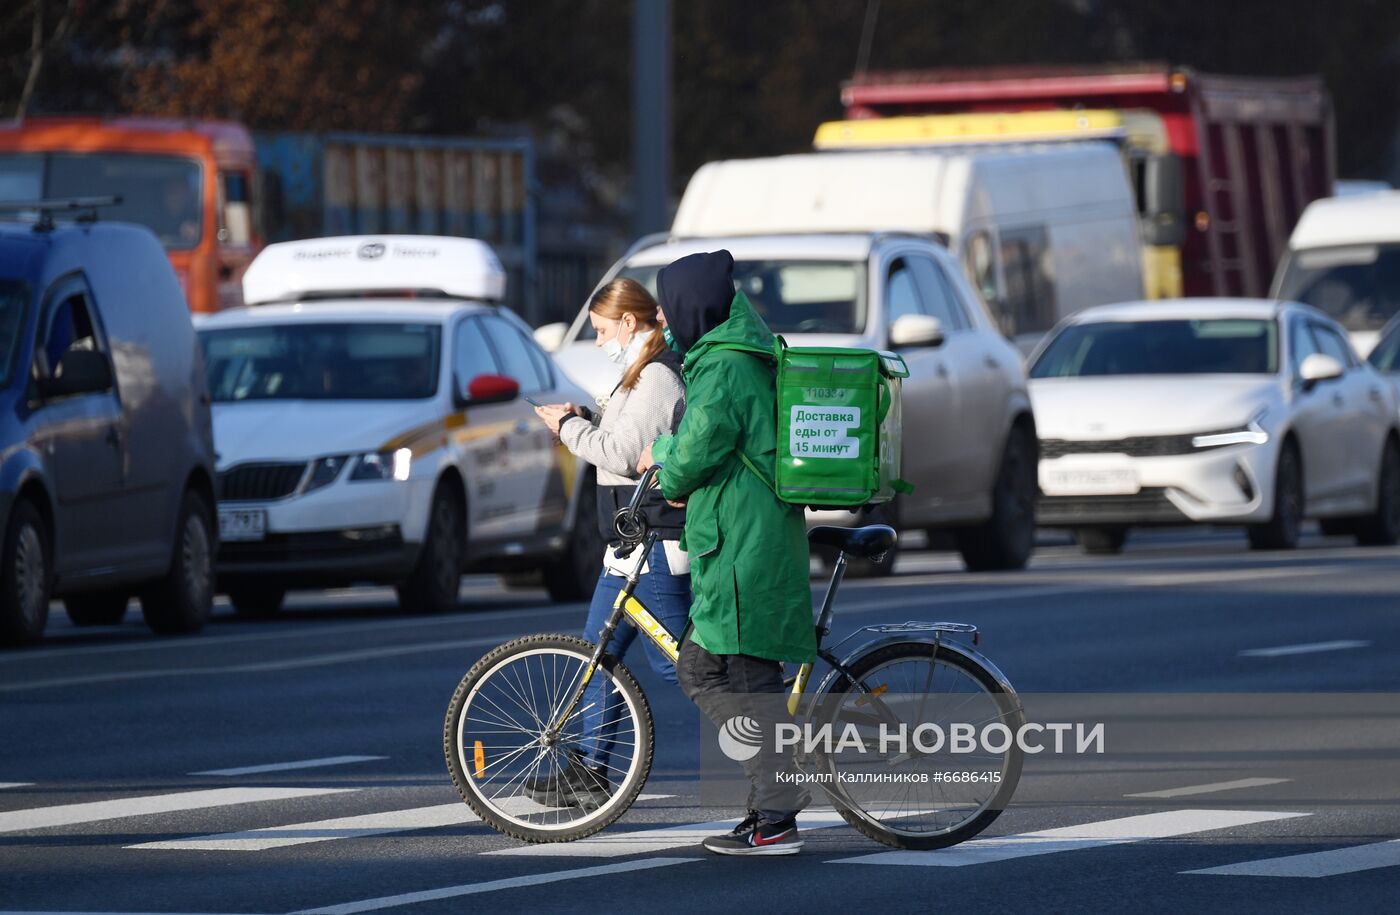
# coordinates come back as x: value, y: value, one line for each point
x: 871, y: 540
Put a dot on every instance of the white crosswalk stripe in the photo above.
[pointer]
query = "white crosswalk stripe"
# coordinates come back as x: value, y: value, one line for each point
x: 96, y: 811
x: 297, y: 764
x: 649, y: 841
x: 1315, y: 864
x: 351, y: 827
x: 1119, y: 831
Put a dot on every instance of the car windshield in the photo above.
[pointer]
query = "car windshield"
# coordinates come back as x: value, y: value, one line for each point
x: 1358, y: 286
x: 322, y: 362
x: 1177, y: 347
x: 14, y: 305
x: 793, y: 296
x: 162, y: 193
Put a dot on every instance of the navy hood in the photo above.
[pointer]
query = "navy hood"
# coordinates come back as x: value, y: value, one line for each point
x: 696, y: 292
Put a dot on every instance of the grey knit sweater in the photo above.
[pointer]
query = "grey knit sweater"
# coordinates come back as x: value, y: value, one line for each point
x: 630, y: 421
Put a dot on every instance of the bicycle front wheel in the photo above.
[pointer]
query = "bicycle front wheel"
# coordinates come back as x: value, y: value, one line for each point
x: 522, y: 779
x: 924, y: 791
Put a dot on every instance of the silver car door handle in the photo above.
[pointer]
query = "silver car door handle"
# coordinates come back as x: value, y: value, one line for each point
x: 941, y: 371
x: 1338, y: 400
x: 1375, y: 394
x: 990, y: 363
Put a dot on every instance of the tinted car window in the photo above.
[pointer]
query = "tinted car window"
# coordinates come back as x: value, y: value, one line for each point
x: 939, y: 298
x: 1174, y: 347
x: 1386, y: 356
x: 14, y: 305
x: 1358, y: 286
x: 901, y: 292
x: 68, y: 325
x: 1333, y: 345
x: 513, y: 353
x: 793, y: 296
x: 322, y: 361
x: 473, y: 355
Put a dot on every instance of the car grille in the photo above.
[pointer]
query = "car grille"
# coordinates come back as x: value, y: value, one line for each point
x: 1147, y: 506
x: 258, y: 482
x: 1141, y: 446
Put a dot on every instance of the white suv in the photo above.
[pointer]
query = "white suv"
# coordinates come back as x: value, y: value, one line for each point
x: 969, y: 436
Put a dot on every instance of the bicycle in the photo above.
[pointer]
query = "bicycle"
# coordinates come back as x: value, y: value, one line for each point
x: 517, y: 717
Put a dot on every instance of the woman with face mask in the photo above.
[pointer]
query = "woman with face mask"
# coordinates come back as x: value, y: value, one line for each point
x: 647, y: 402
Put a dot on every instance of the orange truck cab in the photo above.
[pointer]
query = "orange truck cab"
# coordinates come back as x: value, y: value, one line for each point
x: 188, y: 181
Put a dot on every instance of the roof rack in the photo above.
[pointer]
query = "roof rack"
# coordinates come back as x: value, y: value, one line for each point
x: 86, y: 207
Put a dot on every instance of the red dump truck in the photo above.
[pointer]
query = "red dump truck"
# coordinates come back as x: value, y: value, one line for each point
x: 1223, y: 165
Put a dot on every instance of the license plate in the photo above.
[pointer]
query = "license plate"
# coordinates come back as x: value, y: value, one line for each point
x: 1089, y: 482
x: 242, y: 524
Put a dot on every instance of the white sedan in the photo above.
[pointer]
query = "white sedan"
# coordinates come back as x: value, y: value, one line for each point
x: 1216, y: 411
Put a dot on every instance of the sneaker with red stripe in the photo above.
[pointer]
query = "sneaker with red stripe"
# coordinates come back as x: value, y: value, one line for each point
x: 752, y: 837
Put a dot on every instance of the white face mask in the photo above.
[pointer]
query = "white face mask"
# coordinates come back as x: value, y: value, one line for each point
x: 626, y: 355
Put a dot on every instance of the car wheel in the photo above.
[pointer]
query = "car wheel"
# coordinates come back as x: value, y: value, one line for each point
x: 1101, y: 541
x: 97, y: 608
x: 1382, y: 527
x: 183, y: 600
x: 1281, y: 531
x: 256, y: 601
x: 572, y: 576
x: 1005, y: 540
x: 433, y: 584
x: 26, y: 575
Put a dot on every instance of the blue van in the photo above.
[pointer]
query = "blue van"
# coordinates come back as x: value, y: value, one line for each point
x: 106, y: 445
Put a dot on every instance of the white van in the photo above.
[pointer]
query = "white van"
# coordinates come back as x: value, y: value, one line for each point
x: 1344, y: 259
x: 1042, y: 230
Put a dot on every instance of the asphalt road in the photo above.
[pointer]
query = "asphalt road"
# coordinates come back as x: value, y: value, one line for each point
x: 1253, y: 768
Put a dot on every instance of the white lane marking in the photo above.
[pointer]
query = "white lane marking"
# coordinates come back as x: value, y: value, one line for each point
x: 353, y: 827
x: 1159, y: 580
x: 1213, y: 787
x: 508, y: 883
x: 315, y: 660
x: 284, y: 632
x: 94, y: 811
x: 122, y: 913
x: 4, y: 785
x: 298, y: 764
x: 1315, y: 864
x: 1309, y: 648
x: 646, y: 841
x: 1073, y: 838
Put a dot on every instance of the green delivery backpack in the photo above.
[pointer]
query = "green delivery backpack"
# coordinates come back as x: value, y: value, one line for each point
x: 839, y: 427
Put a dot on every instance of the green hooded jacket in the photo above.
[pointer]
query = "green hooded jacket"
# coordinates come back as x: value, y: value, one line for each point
x: 748, y: 551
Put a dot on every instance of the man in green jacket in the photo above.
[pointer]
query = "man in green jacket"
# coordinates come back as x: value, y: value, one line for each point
x: 749, y: 557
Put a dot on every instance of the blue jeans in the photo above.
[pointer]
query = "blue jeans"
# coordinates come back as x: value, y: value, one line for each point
x: 667, y: 596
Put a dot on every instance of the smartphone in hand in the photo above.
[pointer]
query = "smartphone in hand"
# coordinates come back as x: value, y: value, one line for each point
x: 531, y: 401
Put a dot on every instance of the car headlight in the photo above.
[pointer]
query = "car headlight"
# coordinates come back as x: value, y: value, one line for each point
x: 383, y: 465
x: 324, y: 471
x: 1251, y: 433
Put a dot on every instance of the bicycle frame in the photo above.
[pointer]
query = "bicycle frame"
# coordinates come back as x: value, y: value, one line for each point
x: 638, y: 538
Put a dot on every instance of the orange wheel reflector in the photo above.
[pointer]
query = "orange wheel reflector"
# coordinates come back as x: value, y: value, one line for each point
x: 877, y: 691
x: 479, y: 759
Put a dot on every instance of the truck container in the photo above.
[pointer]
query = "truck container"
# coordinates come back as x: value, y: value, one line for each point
x: 330, y: 184
x: 1222, y: 166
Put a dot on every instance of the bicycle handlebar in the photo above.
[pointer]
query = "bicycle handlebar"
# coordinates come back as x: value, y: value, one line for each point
x: 629, y: 523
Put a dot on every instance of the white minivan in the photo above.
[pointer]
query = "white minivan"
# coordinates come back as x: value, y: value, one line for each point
x: 1344, y: 259
x: 1042, y: 230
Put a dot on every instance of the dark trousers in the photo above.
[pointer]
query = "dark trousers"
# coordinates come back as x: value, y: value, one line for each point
x: 730, y: 685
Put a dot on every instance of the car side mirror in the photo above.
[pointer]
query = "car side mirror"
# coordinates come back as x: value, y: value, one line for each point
x: 1164, y: 200
x: 484, y: 389
x: 916, y: 330
x: 80, y: 371
x: 551, y: 336
x: 1319, y: 367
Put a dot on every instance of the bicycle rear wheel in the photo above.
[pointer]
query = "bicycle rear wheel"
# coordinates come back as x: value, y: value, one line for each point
x: 505, y: 766
x: 912, y: 795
